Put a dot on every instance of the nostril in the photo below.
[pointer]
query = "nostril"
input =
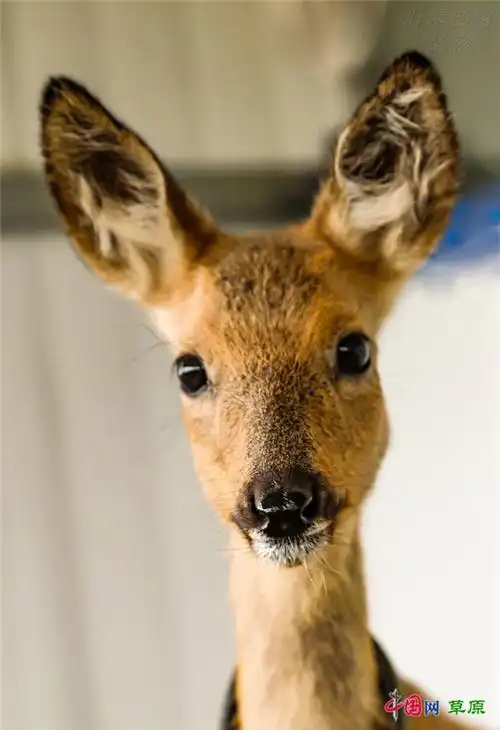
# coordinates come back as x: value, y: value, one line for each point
x: 284, y: 504
x: 297, y: 499
x: 272, y: 502
x: 305, y: 498
x: 310, y: 509
x: 258, y: 516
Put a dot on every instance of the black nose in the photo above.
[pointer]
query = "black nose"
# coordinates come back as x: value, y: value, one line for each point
x: 286, y: 504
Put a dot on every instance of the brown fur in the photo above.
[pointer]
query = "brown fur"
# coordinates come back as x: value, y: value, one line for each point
x: 265, y: 312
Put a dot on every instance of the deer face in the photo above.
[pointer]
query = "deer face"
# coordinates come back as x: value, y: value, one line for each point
x: 277, y: 368
x: 274, y: 336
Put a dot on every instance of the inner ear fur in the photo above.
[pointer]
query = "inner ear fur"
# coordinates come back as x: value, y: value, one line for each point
x: 395, y: 171
x: 128, y: 217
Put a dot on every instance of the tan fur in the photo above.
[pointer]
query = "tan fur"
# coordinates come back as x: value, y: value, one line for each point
x: 265, y: 313
x: 300, y: 633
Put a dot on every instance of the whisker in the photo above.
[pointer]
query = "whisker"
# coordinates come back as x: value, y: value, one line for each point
x: 309, y: 574
x: 153, y: 333
x: 234, y: 550
x: 132, y: 360
x: 324, y: 562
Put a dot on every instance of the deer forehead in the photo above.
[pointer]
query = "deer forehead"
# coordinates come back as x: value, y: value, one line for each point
x: 262, y: 297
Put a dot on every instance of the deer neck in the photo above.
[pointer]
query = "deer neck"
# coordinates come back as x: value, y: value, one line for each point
x: 303, y: 647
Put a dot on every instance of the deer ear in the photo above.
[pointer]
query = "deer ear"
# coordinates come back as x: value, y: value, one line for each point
x: 394, y: 178
x: 127, y: 216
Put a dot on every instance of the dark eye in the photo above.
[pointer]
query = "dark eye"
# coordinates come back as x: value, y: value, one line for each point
x: 353, y: 354
x: 192, y: 374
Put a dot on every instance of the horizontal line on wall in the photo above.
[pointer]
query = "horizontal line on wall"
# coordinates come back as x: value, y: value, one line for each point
x: 256, y: 196
x: 233, y: 196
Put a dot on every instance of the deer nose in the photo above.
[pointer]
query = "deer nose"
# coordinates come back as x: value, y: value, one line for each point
x: 285, y: 506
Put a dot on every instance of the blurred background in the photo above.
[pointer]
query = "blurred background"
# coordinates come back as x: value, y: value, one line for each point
x: 112, y: 619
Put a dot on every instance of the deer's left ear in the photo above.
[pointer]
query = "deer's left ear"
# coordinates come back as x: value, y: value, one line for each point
x: 395, y: 172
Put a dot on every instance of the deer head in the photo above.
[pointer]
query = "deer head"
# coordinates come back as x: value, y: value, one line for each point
x: 274, y: 335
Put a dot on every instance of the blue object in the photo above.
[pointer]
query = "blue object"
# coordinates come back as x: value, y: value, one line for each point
x: 474, y: 229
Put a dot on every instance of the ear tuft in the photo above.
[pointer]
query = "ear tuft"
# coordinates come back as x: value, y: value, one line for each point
x: 396, y: 166
x: 128, y: 217
x: 110, y: 168
x: 400, y: 143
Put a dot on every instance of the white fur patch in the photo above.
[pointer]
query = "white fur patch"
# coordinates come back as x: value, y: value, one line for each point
x: 369, y: 212
x: 176, y: 324
x: 373, y: 205
x: 140, y: 223
x: 136, y: 229
x: 290, y: 551
x: 168, y: 324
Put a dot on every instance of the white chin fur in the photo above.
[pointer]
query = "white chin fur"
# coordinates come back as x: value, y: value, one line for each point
x: 288, y: 551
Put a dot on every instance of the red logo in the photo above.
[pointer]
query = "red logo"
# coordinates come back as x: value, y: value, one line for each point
x: 413, y: 705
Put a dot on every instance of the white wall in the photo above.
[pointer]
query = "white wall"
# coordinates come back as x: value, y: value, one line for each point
x: 433, y: 527
x: 113, y: 620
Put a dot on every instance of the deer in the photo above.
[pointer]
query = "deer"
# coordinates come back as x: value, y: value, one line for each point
x: 274, y: 341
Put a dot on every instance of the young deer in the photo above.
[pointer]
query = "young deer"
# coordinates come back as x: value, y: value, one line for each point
x: 274, y: 338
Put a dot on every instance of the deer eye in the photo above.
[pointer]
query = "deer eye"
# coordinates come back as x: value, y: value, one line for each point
x: 192, y: 374
x: 353, y: 354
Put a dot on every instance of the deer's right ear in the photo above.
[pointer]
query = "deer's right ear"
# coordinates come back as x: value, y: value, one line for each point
x: 128, y: 218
